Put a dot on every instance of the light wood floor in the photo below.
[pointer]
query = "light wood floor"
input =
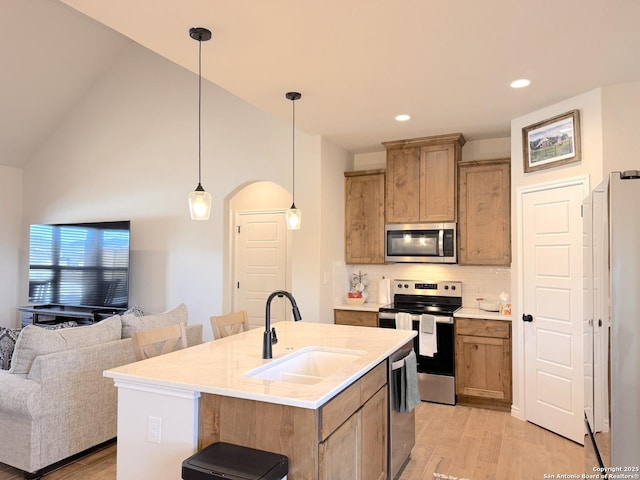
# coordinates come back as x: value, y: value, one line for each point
x: 481, y: 444
x: 458, y: 441
x: 100, y: 465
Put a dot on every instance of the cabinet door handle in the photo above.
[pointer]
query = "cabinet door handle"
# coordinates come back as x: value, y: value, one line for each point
x: 527, y: 318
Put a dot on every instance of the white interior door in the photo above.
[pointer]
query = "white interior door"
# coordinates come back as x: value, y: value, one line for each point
x: 553, y: 284
x: 589, y: 301
x: 596, y: 308
x: 601, y: 321
x: 260, y: 264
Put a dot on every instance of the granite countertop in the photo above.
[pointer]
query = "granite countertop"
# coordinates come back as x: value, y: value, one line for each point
x: 218, y: 367
x: 468, y: 312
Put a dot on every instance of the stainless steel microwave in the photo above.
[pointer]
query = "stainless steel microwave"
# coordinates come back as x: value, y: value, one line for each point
x: 421, y: 243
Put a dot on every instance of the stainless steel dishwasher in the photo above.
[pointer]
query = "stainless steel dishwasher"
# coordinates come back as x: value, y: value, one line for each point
x: 402, y: 425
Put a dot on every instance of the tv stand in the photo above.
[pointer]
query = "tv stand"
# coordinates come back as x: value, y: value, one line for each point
x: 52, y: 314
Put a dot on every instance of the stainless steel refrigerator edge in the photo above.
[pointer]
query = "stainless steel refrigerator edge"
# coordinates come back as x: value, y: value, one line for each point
x: 618, y: 198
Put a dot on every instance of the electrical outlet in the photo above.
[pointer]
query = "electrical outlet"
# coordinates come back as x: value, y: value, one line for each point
x: 154, y: 430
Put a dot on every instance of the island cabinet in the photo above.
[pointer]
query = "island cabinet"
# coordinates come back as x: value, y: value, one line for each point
x: 356, y: 448
x: 364, y: 217
x: 357, y: 318
x: 484, y: 202
x: 483, y: 362
x: 421, y: 178
x: 344, y: 438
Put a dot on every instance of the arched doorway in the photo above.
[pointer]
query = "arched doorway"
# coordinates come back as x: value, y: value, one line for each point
x: 259, y: 250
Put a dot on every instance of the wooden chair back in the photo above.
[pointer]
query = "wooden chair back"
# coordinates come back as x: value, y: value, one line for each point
x: 230, y: 324
x: 158, y: 341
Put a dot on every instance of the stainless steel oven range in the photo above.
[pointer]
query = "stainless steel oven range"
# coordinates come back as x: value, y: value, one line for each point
x: 421, y: 299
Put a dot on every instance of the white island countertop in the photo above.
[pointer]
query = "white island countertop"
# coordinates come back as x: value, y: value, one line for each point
x: 218, y: 367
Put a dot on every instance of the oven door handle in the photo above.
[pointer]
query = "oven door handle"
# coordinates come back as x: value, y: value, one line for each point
x: 448, y: 320
x: 392, y: 316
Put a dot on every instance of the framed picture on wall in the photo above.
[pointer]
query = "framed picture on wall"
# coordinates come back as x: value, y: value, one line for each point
x: 552, y: 142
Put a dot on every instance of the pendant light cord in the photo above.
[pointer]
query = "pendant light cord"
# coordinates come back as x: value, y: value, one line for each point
x: 199, y: 112
x: 293, y: 141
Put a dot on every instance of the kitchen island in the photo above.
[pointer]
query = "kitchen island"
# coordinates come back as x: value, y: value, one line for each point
x: 171, y: 406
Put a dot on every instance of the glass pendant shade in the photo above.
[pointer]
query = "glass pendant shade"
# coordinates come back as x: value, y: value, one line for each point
x: 294, y: 218
x: 200, y: 204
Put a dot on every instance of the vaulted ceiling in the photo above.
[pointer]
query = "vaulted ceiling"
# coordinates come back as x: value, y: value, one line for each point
x: 358, y: 63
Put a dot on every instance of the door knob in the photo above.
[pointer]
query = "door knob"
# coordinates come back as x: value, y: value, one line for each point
x: 527, y: 318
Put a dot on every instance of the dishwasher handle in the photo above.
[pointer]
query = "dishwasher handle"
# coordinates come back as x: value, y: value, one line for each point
x: 399, y: 363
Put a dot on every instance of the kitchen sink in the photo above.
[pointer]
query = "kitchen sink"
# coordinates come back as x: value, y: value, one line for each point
x: 307, y: 366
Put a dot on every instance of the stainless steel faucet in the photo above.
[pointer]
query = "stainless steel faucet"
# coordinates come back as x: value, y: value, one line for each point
x: 270, y: 337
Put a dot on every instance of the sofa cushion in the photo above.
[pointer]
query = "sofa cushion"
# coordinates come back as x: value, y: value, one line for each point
x: 132, y: 323
x: 8, y: 337
x: 34, y: 341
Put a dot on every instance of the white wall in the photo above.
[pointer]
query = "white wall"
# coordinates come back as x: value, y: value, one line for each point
x: 620, y: 107
x: 129, y: 151
x: 370, y: 161
x: 591, y: 125
x: 10, y: 243
x: 335, y: 162
x: 484, y: 149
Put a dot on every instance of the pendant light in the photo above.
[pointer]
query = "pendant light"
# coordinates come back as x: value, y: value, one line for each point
x: 199, y: 200
x: 294, y: 215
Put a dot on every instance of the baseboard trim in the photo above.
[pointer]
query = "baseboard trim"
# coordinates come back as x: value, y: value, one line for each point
x: 55, y: 466
x: 515, y: 412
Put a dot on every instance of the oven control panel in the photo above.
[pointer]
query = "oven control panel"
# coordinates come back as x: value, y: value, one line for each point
x: 419, y: 287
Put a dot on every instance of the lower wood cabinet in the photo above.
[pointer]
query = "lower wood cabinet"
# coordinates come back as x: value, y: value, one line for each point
x: 357, y: 449
x: 483, y: 362
x: 345, y: 438
x: 358, y: 318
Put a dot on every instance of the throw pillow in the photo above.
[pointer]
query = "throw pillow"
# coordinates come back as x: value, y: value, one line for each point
x: 135, y: 310
x: 34, y: 341
x: 131, y: 323
x: 8, y: 337
x: 58, y: 326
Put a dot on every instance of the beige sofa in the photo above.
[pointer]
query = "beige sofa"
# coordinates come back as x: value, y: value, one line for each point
x: 55, y: 401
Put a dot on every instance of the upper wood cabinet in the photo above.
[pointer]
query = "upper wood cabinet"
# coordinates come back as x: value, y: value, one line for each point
x: 364, y: 216
x: 422, y: 179
x: 484, y: 228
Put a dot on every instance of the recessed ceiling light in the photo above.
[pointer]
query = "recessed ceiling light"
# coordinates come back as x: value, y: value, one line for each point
x: 403, y: 118
x: 521, y: 83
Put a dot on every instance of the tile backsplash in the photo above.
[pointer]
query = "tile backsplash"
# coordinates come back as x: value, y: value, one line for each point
x: 477, y: 282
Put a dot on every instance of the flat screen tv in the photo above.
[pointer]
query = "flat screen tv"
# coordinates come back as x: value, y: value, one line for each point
x: 80, y: 264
